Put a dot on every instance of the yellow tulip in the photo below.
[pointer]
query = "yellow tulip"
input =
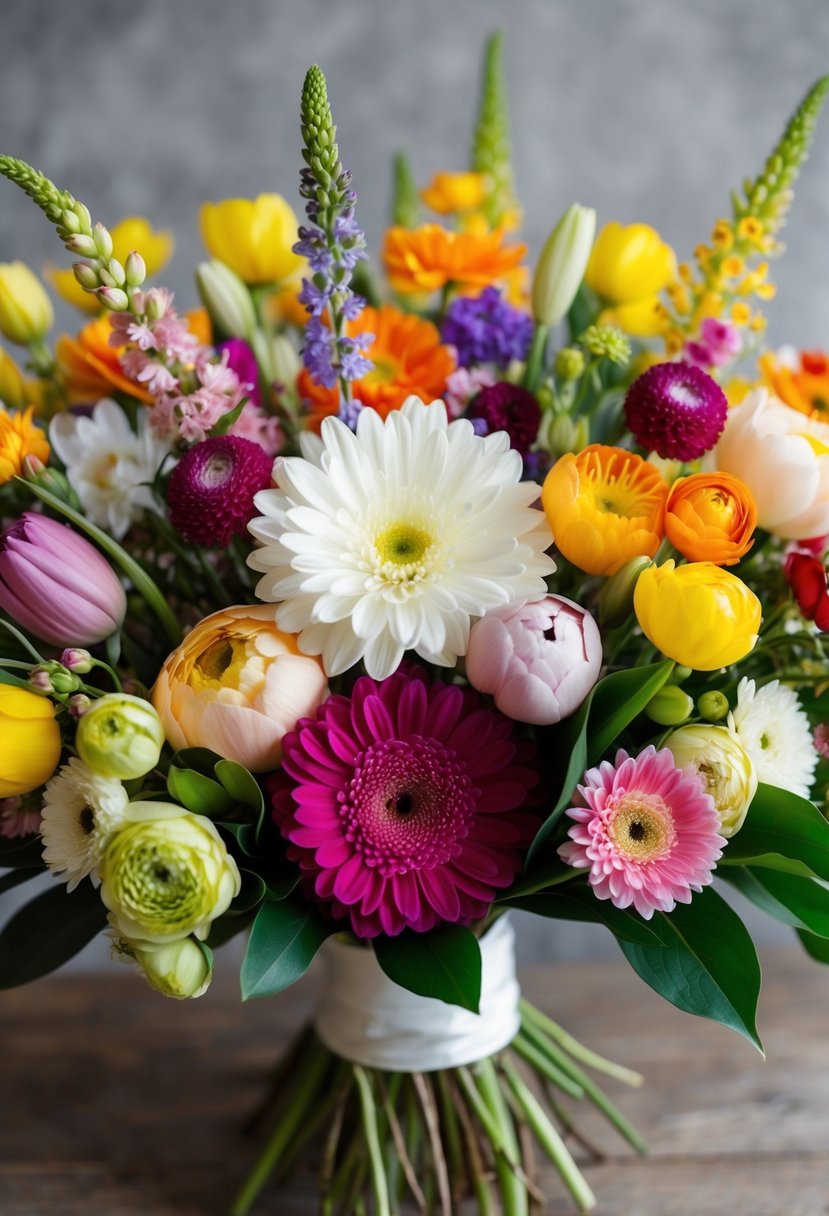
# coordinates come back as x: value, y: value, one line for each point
x: 13, y: 391
x: 132, y: 233
x: 25, y: 309
x: 628, y: 268
x: 697, y: 614
x: 30, y: 747
x: 254, y: 237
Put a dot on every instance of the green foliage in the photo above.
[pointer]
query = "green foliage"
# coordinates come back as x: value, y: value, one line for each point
x: 405, y: 205
x: 282, y: 944
x: 45, y: 933
x: 800, y: 902
x: 781, y: 832
x: 444, y: 963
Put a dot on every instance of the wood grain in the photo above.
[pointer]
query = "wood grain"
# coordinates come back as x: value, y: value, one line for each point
x: 118, y: 1102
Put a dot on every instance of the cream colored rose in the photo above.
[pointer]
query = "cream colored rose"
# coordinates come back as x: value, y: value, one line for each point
x: 725, y: 767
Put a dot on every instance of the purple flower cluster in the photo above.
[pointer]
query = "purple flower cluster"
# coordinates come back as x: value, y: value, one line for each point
x: 333, y: 246
x: 486, y: 329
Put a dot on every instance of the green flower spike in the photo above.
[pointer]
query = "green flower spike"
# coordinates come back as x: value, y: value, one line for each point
x: 490, y: 141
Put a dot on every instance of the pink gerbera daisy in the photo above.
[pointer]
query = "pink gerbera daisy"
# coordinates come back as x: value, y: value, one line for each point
x: 403, y: 804
x: 647, y: 831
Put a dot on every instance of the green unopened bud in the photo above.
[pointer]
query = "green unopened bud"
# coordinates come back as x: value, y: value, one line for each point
x: 285, y: 361
x: 165, y: 873
x: 103, y: 241
x: 120, y: 736
x: 227, y: 299
x: 566, y: 434
x: 616, y: 599
x: 180, y: 969
x: 113, y: 298
x: 569, y: 363
x: 65, y: 681
x: 562, y: 264
x: 713, y: 706
x: 679, y: 674
x: 70, y: 222
x: 606, y: 342
x: 82, y: 212
x: 116, y: 272
x: 86, y: 275
x: 135, y: 269
x: 82, y: 244
x: 670, y: 706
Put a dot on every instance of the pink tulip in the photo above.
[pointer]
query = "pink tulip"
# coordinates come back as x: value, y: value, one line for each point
x: 539, y: 661
x: 56, y: 585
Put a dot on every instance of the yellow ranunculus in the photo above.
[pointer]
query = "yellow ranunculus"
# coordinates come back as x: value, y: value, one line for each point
x: 25, y: 309
x: 29, y: 741
x: 628, y: 268
x: 697, y: 614
x: 450, y: 193
x: 132, y: 233
x: 254, y: 237
x: 724, y: 766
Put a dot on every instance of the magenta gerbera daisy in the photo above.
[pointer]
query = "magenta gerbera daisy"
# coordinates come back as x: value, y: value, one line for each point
x: 676, y: 410
x: 405, y: 804
x: 647, y: 831
x: 211, y: 489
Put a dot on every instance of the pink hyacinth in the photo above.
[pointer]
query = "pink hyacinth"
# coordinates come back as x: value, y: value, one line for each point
x: 405, y: 804
x: 647, y: 832
x: 539, y: 661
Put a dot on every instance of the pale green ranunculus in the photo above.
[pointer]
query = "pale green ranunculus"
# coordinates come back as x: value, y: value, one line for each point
x: 120, y: 736
x: 166, y: 874
x: 725, y: 767
x: 178, y: 969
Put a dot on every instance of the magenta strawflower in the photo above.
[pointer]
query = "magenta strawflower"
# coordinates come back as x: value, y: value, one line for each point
x: 676, y: 410
x: 647, y: 831
x: 211, y: 489
x: 508, y: 407
x: 404, y: 804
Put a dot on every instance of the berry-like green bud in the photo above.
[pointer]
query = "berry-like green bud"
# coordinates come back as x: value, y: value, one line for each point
x: 569, y: 363
x: 713, y: 706
x: 670, y: 706
x: 606, y: 342
x: 565, y: 434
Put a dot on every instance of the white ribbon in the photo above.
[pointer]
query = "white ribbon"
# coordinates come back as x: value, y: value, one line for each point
x: 365, y: 1017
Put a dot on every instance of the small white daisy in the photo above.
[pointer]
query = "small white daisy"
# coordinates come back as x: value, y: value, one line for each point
x: 395, y: 538
x: 775, y: 732
x: 80, y: 811
x: 108, y: 464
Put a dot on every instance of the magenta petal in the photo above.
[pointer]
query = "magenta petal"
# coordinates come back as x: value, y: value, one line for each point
x: 442, y: 894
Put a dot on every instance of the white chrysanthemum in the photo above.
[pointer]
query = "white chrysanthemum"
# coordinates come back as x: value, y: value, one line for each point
x: 775, y: 732
x: 109, y: 466
x: 80, y: 811
x: 396, y: 537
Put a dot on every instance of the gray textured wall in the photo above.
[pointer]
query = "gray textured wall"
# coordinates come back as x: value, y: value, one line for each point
x: 645, y: 109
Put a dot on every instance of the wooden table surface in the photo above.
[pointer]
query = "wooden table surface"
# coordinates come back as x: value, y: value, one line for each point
x: 117, y: 1102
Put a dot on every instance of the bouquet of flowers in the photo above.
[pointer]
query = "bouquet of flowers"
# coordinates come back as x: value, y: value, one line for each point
x: 353, y: 614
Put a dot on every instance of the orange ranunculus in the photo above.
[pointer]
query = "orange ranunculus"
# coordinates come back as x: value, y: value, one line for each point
x: 604, y: 506
x: 19, y: 438
x: 426, y: 259
x: 451, y: 193
x: 408, y: 360
x: 711, y: 517
x: 801, y: 379
x: 90, y: 366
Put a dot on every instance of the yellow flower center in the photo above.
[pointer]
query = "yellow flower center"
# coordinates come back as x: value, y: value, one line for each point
x: 385, y: 371
x: 642, y: 828
x: 401, y: 556
x: 403, y: 544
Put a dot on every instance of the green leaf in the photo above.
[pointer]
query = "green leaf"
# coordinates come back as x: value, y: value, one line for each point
x: 816, y: 947
x: 705, y: 963
x: 251, y: 895
x: 284, y: 939
x: 800, y: 902
x: 240, y: 784
x: 612, y: 705
x: 580, y: 904
x: 6, y: 677
x: 227, y: 420
x: 199, y: 794
x: 202, y: 759
x: 444, y: 964
x: 781, y: 824
x: 46, y: 933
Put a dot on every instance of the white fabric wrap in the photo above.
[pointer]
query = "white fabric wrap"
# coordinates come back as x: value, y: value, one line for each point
x: 365, y: 1017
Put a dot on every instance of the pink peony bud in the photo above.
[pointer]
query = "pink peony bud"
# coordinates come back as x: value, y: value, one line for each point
x: 55, y: 584
x: 539, y: 660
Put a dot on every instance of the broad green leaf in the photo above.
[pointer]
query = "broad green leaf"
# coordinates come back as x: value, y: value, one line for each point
x: 241, y: 785
x: 251, y: 895
x: 226, y: 927
x: 611, y: 706
x: 202, y: 759
x: 282, y: 944
x: 44, y: 934
x: 816, y: 947
x: 783, y: 824
x: 198, y: 793
x: 764, y: 861
x: 444, y: 964
x: 800, y: 902
x: 580, y: 904
x: 705, y: 963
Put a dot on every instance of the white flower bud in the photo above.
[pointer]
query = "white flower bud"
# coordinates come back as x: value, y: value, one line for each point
x: 114, y: 298
x: 82, y: 244
x: 117, y: 272
x: 86, y: 275
x: 562, y: 264
x: 227, y: 299
x: 103, y: 240
x: 135, y: 269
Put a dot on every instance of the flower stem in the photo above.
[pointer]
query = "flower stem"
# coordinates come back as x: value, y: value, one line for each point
x: 24, y: 642
x: 368, y: 1109
x: 535, y: 360
x: 137, y: 575
x: 513, y: 1191
x: 529, y: 1052
x: 576, y: 1049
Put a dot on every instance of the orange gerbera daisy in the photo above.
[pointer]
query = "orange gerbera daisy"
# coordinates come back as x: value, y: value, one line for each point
x: 426, y: 259
x: 19, y: 437
x: 408, y: 360
x: 802, y: 382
